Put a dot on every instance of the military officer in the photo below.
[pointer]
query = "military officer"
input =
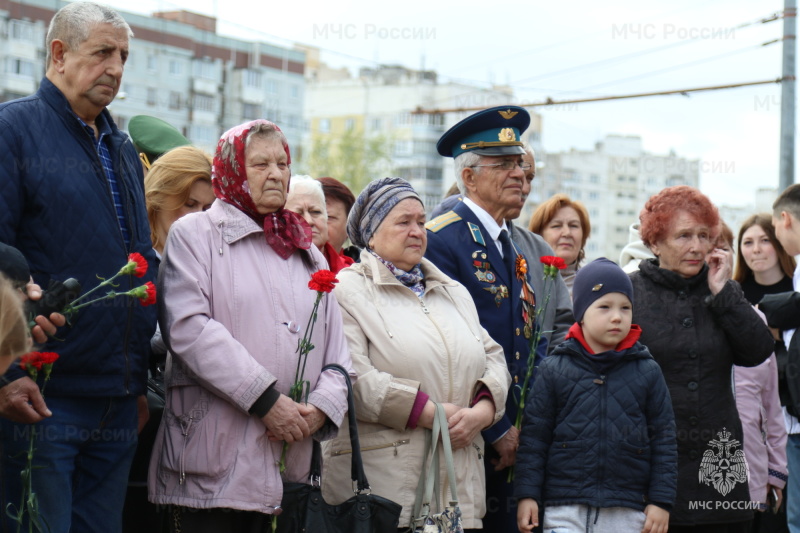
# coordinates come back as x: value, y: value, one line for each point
x: 472, y: 244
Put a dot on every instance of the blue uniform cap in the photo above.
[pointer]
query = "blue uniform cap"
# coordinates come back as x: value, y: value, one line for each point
x: 492, y: 132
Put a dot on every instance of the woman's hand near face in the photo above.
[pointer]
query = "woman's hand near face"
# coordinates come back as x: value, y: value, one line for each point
x: 467, y: 422
x: 720, y: 267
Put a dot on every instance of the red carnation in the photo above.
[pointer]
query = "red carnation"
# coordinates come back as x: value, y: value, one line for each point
x: 48, y: 358
x: 136, y: 265
x: 31, y: 361
x: 553, y: 261
x: 150, y: 294
x: 141, y: 264
x: 322, y: 281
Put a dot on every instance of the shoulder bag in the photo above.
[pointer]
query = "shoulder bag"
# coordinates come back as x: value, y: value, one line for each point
x: 304, y: 510
x: 449, y: 520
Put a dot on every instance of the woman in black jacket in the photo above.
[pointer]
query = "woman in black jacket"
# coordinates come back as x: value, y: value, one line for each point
x: 697, y: 324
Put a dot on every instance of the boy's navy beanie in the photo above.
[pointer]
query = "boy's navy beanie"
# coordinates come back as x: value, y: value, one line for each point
x: 596, y: 279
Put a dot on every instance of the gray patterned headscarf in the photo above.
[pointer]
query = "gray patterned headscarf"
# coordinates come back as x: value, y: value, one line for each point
x: 372, y: 206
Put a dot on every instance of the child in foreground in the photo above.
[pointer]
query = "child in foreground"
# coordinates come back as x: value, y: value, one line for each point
x: 598, y: 447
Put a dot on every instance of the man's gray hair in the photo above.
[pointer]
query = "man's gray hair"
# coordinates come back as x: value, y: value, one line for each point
x: 529, y: 150
x: 74, y: 22
x: 462, y: 161
x: 302, y: 184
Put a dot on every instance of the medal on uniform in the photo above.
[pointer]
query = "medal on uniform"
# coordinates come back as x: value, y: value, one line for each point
x: 482, y: 267
x: 499, y: 292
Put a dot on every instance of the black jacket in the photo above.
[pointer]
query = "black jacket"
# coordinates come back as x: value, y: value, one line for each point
x: 604, y: 440
x: 696, y: 338
x: 783, y: 311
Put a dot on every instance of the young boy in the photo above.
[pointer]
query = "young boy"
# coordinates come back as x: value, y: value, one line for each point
x: 598, y: 443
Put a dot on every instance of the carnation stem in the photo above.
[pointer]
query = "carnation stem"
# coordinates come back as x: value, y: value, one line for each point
x: 549, y: 275
x: 90, y: 291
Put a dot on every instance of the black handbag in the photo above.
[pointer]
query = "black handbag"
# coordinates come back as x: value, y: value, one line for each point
x: 304, y: 510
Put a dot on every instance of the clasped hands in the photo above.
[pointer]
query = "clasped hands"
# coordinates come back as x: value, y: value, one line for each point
x: 464, y: 423
x: 290, y: 421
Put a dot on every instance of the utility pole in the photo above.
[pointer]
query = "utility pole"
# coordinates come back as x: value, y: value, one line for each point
x: 788, y: 94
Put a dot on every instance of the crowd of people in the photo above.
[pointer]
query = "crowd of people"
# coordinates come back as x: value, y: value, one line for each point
x: 579, y: 396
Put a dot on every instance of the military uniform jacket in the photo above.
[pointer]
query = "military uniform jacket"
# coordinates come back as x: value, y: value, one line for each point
x: 460, y: 246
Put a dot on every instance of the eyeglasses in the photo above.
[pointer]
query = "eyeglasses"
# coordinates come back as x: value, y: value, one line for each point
x: 507, y: 165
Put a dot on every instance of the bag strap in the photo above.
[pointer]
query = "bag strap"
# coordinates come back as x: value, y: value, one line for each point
x: 448, y: 455
x: 416, y: 512
x: 429, y: 477
x: 357, y: 474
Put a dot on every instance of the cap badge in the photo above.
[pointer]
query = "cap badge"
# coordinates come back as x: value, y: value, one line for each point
x: 508, y: 114
x: 507, y: 135
x: 597, y: 287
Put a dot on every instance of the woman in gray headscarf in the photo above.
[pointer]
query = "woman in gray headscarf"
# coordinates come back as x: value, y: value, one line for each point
x: 415, y: 339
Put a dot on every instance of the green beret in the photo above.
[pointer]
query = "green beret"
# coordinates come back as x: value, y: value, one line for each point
x: 153, y: 137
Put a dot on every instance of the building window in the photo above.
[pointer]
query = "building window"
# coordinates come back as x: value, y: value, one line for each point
x: 20, y: 67
x: 594, y: 178
x: 375, y: 124
x: 152, y: 63
x: 174, y: 100
x: 294, y: 91
x: 294, y: 121
x: 205, y: 69
x: 175, y: 67
x: 252, y: 78
x: 152, y: 96
x: 349, y: 124
x: 122, y: 122
x: 203, y: 102
x: 272, y: 87
x: 324, y: 125
x: 403, y: 147
x: 21, y: 30
x: 251, y: 111
x: 204, y: 134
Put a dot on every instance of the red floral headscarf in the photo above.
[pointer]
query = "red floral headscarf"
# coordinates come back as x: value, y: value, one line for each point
x: 284, y: 230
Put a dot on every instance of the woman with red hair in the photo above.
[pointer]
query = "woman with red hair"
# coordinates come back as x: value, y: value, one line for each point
x: 697, y: 324
x: 564, y: 225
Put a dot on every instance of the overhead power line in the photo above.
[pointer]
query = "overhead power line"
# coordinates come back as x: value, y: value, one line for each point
x: 684, y: 65
x: 551, y: 102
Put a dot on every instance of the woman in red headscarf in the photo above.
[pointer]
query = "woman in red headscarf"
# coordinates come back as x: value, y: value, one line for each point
x: 234, y: 300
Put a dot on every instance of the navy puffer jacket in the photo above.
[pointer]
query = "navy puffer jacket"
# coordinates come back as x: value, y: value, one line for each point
x: 56, y: 207
x: 604, y: 440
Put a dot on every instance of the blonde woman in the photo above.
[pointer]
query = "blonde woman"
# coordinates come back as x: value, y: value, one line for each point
x: 178, y: 183
x: 14, y: 338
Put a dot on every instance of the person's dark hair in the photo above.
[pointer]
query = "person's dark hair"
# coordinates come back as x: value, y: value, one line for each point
x: 764, y: 221
x: 337, y: 190
x: 789, y: 201
x: 725, y: 233
x: 658, y: 213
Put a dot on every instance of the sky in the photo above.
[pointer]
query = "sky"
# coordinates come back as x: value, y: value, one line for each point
x: 567, y: 50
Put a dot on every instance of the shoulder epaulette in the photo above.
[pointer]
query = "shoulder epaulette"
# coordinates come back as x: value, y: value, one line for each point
x: 442, y: 221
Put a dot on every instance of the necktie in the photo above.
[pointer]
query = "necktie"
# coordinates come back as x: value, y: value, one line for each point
x: 508, y: 255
